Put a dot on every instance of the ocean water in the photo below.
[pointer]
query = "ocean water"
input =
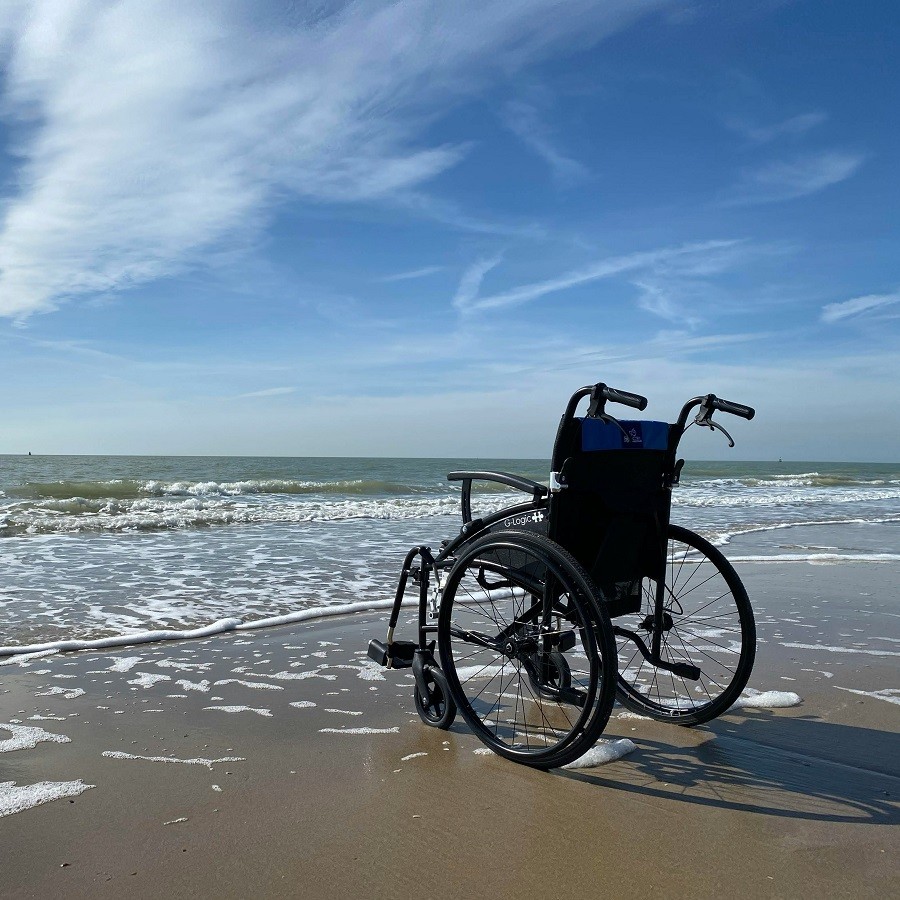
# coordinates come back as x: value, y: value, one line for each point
x: 96, y: 546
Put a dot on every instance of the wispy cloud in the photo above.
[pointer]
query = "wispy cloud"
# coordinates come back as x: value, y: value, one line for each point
x: 151, y: 133
x: 697, y: 256
x: 792, y: 127
x: 470, y: 283
x: 410, y: 276
x: 835, y: 312
x: 73, y: 348
x: 800, y: 177
x: 448, y: 212
x: 659, y: 299
x: 268, y: 392
x: 524, y: 120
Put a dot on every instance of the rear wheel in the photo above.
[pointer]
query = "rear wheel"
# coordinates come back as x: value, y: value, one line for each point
x: 707, y: 622
x: 527, y: 651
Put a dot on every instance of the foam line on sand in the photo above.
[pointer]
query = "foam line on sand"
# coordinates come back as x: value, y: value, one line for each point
x: 27, y: 737
x: 16, y: 798
x: 219, y: 627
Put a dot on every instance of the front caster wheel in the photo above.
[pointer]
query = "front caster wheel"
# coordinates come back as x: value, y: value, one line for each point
x: 437, y: 708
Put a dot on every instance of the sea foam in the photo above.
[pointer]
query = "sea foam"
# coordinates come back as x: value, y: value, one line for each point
x: 197, y: 761
x: 604, y: 751
x: 16, y: 798
x: 753, y: 699
x: 27, y: 737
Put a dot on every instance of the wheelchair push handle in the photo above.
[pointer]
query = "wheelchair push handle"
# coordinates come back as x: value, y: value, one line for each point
x: 600, y: 393
x: 736, y: 409
x: 704, y: 418
x: 614, y: 395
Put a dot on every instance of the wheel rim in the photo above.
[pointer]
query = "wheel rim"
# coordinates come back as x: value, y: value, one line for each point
x: 434, y: 704
x: 518, y: 689
x: 705, y: 624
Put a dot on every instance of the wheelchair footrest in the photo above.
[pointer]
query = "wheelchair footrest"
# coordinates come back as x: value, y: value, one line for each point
x: 399, y: 655
x: 683, y: 670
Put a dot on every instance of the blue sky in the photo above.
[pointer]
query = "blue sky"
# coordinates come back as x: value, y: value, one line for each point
x: 414, y: 228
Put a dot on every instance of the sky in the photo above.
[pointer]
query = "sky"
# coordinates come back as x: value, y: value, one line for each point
x: 415, y: 228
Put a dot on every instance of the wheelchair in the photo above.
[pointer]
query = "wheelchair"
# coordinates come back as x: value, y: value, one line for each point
x: 536, y: 618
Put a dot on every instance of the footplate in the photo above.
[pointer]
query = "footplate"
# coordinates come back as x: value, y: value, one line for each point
x: 681, y: 669
x: 396, y: 655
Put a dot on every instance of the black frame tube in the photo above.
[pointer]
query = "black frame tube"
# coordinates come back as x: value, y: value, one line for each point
x: 515, y: 481
x: 475, y: 528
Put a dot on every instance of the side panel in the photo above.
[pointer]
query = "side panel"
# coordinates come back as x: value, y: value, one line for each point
x: 532, y: 520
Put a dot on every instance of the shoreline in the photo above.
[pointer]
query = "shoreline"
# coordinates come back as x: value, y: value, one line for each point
x: 296, y: 767
x: 762, y: 543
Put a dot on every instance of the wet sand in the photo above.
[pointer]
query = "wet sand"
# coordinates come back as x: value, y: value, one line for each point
x: 768, y: 803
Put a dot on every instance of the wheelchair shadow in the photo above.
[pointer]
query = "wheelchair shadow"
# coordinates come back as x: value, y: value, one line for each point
x: 789, y: 767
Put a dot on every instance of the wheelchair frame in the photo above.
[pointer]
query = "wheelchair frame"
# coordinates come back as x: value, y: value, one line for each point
x: 567, y: 593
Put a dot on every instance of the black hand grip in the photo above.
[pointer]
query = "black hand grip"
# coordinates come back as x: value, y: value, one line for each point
x: 614, y: 395
x: 736, y: 409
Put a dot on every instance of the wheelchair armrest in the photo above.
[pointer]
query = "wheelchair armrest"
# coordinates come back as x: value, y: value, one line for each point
x: 538, y: 491
x: 516, y: 481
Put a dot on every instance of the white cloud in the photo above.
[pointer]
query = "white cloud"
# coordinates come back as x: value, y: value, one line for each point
x: 268, y: 392
x: 524, y: 120
x: 424, y: 272
x: 150, y: 133
x: 470, y: 283
x: 834, y: 312
x: 700, y: 257
x: 659, y: 299
x: 800, y: 177
x: 792, y: 127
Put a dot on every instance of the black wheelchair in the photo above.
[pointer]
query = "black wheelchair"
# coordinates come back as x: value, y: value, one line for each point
x: 549, y: 610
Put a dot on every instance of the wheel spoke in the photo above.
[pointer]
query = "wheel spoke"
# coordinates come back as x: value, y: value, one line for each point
x: 718, y: 633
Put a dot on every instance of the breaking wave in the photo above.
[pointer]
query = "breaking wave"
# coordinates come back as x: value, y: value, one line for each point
x: 717, y: 497
x: 124, y: 489
x: 107, y: 515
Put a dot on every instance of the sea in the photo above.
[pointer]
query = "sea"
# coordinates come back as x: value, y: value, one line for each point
x: 97, y: 546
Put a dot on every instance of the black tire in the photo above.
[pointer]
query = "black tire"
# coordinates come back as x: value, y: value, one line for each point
x: 437, y: 709
x: 538, y: 697
x: 709, y: 624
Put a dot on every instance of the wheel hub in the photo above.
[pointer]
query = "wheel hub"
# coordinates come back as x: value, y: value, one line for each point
x: 519, y: 647
x: 667, y: 623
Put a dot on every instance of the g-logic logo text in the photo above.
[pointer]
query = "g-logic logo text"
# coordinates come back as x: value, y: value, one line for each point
x: 527, y: 519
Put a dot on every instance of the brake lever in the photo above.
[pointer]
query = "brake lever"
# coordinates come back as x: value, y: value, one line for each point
x: 716, y: 426
x: 704, y: 420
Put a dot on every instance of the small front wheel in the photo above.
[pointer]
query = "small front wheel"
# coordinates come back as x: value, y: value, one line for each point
x: 437, y: 708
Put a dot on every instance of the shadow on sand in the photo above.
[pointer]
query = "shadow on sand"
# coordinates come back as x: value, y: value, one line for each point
x: 792, y: 767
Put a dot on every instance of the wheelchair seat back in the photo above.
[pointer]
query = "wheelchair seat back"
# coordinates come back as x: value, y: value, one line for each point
x: 613, y: 512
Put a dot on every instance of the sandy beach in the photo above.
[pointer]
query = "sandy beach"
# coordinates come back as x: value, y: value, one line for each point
x: 283, y: 763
